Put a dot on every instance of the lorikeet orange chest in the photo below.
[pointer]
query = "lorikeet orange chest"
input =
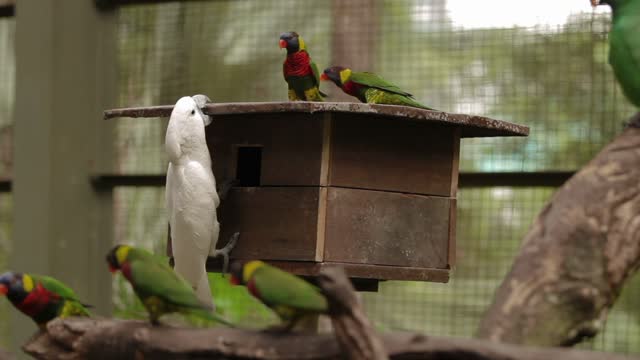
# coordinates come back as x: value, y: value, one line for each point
x: 253, y: 290
x: 126, y: 271
x: 353, y: 89
x: 36, y: 301
x: 297, y: 64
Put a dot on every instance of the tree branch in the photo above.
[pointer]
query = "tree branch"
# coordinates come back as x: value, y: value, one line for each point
x: 84, y: 338
x: 577, y: 254
x: 352, y: 328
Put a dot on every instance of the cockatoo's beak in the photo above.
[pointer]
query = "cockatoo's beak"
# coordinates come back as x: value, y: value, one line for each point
x: 283, y: 44
x: 324, y: 77
x: 4, y: 289
x: 595, y: 3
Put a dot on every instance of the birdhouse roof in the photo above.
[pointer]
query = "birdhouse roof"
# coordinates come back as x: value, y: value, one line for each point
x: 471, y: 125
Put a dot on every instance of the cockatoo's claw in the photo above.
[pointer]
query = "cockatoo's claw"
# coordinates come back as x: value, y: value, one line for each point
x: 225, y: 187
x: 226, y: 250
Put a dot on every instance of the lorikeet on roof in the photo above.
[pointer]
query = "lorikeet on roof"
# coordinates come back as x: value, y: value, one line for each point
x: 369, y: 87
x: 42, y: 298
x: 624, y: 45
x: 286, y: 294
x: 160, y: 289
x: 299, y: 71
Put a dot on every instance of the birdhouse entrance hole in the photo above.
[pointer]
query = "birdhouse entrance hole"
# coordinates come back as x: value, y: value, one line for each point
x: 248, y: 166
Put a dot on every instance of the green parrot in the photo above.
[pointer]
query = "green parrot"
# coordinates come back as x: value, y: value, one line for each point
x: 42, y: 298
x: 160, y: 289
x: 286, y: 294
x: 300, y: 73
x: 624, y: 45
x: 369, y: 87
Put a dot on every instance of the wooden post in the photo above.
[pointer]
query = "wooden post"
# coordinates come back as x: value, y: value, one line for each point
x: 65, y: 77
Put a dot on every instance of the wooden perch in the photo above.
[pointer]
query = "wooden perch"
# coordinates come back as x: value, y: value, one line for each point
x: 577, y: 255
x: 352, y: 328
x: 83, y: 338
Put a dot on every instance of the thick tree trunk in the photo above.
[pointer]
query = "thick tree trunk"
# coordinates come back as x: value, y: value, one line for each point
x: 577, y: 254
x: 83, y: 338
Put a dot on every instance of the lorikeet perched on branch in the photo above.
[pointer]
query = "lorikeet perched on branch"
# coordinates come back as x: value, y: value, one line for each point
x: 286, y: 294
x: 299, y: 71
x: 369, y: 87
x: 160, y: 289
x: 42, y: 298
x: 624, y: 45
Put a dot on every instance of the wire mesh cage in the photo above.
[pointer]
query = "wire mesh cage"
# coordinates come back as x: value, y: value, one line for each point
x: 542, y: 64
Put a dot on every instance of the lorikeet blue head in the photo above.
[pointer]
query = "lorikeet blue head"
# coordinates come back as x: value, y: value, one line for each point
x: 117, y: 257
x: 13, y: 286
x: 338, y: 74
x: 291, y: 41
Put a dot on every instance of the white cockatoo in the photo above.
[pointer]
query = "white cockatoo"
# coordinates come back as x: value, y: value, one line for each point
x: 191, y: 196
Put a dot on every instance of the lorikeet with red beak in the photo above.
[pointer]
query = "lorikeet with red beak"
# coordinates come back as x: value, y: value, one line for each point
x: 160, y: 289
x: 42, y: 298
x: 299, y: 71
x: 369, y: 87
x: 286, y: 294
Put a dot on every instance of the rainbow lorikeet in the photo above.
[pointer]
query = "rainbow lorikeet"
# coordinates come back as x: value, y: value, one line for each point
x: 369, y: 87
x: 624, y: 45
x: 42, y: 298
x: 299, y: 71
x: 286, y: 294
x: 160, y: 289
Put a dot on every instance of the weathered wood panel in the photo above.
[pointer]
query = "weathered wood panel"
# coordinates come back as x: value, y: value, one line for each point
x: 274, y: 222
x: 355, y: 271
x: 365, y: 271
x: 381, y: 154
x: 375, y: 227
x: 291, y: 146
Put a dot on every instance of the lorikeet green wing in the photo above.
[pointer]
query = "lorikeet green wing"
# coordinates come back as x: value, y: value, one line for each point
x: 373, y: 80
x: 72, y: 305
x: 56, y: 286
x: 624, y: 53
x: 316, y: 75
x: 150, y: 277
x: 279, y: 288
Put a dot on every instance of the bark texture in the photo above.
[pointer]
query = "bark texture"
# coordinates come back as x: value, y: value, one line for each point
x: 83, y: 338
x: 352, y: 329
x: 577, y: 254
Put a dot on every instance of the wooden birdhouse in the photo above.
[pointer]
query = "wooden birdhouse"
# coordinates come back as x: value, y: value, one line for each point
x: 369, y: 187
